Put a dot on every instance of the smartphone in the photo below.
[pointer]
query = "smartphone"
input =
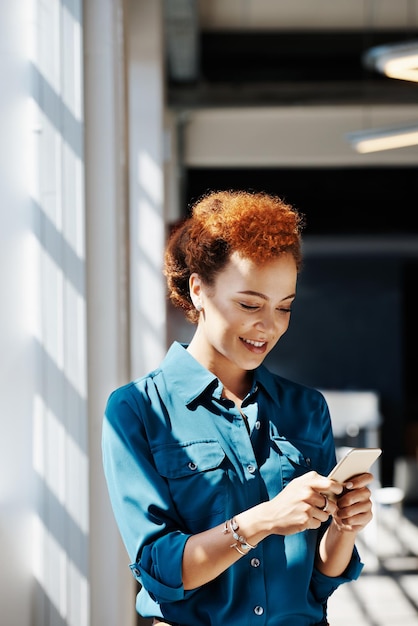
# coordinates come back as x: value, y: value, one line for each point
x: 355, y: 461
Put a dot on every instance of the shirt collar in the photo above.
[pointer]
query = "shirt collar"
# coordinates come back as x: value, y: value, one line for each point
x: 189, y: 379
x: 268, y: 381
x: 184, y: 375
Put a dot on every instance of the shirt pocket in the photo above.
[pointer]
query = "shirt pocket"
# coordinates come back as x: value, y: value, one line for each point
x: 298, y: 458
x: 198, y: 480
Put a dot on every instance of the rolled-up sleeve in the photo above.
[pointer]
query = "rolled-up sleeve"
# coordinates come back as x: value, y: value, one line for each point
x: 161, y: 581
x: 323, y: 586
x: 140, y: 498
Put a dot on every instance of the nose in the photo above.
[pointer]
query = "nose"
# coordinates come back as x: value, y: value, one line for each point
x: 272, y: 324
x: 266, y: 323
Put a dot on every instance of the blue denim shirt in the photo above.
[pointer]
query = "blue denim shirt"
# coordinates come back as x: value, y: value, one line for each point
x: 178, y: 460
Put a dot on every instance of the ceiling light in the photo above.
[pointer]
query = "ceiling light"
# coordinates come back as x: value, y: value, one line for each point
x: 376, y: 139
x: 394, y: 60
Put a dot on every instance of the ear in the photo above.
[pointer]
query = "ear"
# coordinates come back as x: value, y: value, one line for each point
x: 195, y: 287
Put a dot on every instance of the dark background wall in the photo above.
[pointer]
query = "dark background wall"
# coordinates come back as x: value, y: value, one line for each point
x: 346, y: 334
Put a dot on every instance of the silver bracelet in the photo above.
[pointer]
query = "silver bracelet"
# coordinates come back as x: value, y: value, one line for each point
x: 238, y: 549
x: 232, y: 526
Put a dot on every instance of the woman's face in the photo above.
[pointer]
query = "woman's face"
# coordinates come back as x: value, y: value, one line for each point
x: 244, y: 313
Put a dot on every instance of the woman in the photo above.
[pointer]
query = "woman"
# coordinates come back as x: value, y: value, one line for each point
x: 216, y: 467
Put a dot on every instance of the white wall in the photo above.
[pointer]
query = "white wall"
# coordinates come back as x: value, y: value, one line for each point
x: 112, y: 587
x: 54, y: 278
x: 146, y: 196
x: 55, y: 191
x: 44, y: 490
x: 17, y: 375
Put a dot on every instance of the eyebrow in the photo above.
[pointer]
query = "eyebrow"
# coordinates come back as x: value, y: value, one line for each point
x: 263, y: 296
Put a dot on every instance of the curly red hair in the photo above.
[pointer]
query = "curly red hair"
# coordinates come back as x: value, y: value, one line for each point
x: 256, y: 225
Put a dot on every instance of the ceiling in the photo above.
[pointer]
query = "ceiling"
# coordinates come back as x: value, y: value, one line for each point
x: 281, y: 52
x: 298, y: 64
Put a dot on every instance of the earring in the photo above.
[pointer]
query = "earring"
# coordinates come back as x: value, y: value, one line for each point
x: 198, y: 307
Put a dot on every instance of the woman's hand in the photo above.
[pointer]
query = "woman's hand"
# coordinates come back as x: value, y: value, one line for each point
x: 354, y: 506
x: 352, y: 513
x: 302, y: 504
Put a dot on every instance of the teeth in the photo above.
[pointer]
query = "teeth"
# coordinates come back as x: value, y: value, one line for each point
x: 256, y: 344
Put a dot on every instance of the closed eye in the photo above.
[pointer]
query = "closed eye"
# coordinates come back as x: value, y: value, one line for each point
x: 257, y: 307
x: 249, y: 307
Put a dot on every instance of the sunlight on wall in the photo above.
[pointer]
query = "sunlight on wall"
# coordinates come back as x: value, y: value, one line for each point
x: 71, y: 85
x: 73, y: 200
x: 150, y: 241
x: 150, y: 177
x: 150, y: 232
x: 60, y: 463
x: 76, y: 367
x: 31, y: 313
x: 56, y: 341
x: 67, y: 588
x: 57, y: 312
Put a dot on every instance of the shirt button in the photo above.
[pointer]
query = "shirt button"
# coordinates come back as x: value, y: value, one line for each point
x: 255, y: 562
x: 136, y: 571
x: 251, y: 469
x: 257, y: 425
x: 192, y: 466
x: 308, y: 461
x: 258, y: 610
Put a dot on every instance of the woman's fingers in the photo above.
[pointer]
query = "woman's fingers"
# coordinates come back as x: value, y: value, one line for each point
x: 354, y: 508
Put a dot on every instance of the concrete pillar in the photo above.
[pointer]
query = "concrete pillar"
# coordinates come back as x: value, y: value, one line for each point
x: 147, y: 203
x: 112, y: 586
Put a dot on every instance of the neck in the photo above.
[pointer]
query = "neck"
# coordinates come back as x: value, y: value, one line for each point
x: 238, y: 390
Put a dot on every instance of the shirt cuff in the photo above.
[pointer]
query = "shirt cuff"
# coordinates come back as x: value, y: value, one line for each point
x: 159, y: 569
x: 323, y: 586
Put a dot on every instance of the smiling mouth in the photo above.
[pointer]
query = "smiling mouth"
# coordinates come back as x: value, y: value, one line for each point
x: 256, y: 344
